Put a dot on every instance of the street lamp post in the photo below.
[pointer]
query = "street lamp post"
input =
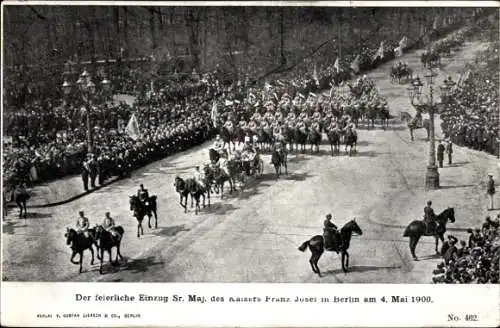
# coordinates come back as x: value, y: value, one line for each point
x: 422, y: 102
x: 85, y: 90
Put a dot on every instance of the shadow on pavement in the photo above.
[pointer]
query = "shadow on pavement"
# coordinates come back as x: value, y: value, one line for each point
x: 219, y: 208
x: 127, y: 264
x: 36, y: 215
x: 459, y: 186
x: 458, y: 164
x: 9, y: 227
x: 361, y: 268
x: 171, y: 231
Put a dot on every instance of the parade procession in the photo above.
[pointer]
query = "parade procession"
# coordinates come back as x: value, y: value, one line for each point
x: 260, y: 144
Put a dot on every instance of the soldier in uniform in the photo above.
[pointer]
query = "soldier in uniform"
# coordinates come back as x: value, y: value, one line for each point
x: 92, y: 166
x: 440, y: 153
x: 143, y: 194
x: 329, y: 231
x: 430, y: 218
x: 198, y: 177
x: 85, y: 175
x: 82, y: 224
x: 109, y: 223
x: 218, y: 144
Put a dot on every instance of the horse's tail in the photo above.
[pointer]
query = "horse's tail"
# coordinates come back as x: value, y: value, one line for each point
x: 303, y: 247
x: 407, y: 231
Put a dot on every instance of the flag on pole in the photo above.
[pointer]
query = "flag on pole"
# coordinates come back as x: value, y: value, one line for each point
x: 435, y: 24
x: 403, y: 43
x: 380, y: 51
x: 315, y: 74
x: 355, y: 65
x: 214, y: 114
x: 398, y: 52
x: 336, y: 66
x: 132, y: 128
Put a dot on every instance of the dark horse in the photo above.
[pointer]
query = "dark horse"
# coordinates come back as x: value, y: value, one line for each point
x: 334, y: 138
x: 141, y: 210
x: 278, y: 158
x: 417, y: 229
x: 106, y: 241
x: 21, y: 196
x: 189, y: 187
x: 78, y: 243
x: 317, y: 245
x: 314, y: 138
x: 351, y: 140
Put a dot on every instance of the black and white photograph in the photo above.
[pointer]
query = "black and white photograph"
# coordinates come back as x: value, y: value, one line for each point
x: 250, y: 144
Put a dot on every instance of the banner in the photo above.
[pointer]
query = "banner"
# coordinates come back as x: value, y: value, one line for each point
x: 336, y: 66
x: 132, y: 128
x: 214, y: 114
x: 403, y: 43
x: 355, y: 65
x: 380, y: 51
x: 315, y: 74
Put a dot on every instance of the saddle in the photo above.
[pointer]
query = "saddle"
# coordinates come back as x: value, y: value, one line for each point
x: 332, y: 240
x: 430, y: 227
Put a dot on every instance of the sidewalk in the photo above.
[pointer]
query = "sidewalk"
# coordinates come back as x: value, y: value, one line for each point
x: 59, y: 191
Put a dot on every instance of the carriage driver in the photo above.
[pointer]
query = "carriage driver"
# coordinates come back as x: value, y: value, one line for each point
x: 218, y: 145
x: 143, y: 194
x: 329, y: 230
x: 82, y: 224
x: 198, y: 177
x: 429, y: 217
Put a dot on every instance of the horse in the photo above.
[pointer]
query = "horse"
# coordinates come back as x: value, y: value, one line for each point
x: 300, y: 139
x: 106, y: 241
x: 219, y: 177
x: 341, y: 244
x: 278, y: 159
x: 213, y: 155
x: 196, y: 191
x: 398, y: 73
x: 78, y: 243
x: 141, y: 210
x: 417, y: 229
x: 265, y: 138
x: 226, y: 137
x: 384, y: 116
x: 253, y: 166
x: 351, y: 140
x: 180, y: 187
x: 413, y: 124
x: 430, y: 59
x: 288, y: 137
x: 314, y: 138
x: 21, y: 196
x: 334, y: 138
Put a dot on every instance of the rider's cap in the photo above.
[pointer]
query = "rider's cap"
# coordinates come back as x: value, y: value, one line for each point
x: 429, y: 202
x: 328, y: 216
x: 141, y: 185
x: 107, y: 213
x: 80, y: 212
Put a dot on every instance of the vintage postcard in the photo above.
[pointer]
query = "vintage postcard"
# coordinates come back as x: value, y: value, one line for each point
x: 282, y: 163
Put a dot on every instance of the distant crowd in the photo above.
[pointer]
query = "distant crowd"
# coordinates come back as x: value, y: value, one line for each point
x: 46, y: 137
x: 470, y: 118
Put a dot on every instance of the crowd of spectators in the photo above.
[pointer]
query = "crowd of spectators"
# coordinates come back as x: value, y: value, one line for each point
x: 472, y: 261
x: 47, y: 138
x: 470, y: 117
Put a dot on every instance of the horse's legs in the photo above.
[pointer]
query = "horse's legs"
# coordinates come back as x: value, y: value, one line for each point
x: 81, y: 261
x: 149, y: 220
x: 72, y: 257
x: 331, y: 147
x: 191, y: 200
x: 20, y: 209
x: 437, y: 241
x: 109, y: 254
x: 311, y: 261
x: 416, y: 239
x: 118, y: 253
x: 91, y: 253
x: 286, y: 167
x: 156, y: 219
x: 347, y: 260
x: 411, y: 134
x: 316, y: 259
x: 102, y: 259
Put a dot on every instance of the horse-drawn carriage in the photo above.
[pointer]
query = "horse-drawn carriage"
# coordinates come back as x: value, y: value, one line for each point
x: 401, y: 71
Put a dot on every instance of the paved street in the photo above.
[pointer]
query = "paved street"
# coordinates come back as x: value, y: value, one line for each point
x: 253, y: 236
